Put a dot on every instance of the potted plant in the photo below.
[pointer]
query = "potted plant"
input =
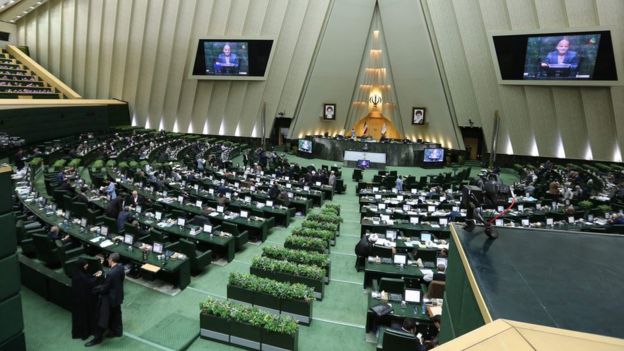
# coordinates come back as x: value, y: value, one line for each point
x: 299, y: 256
x: 239, y: 288
x: 329, y: 236
x: 307, y: 244
x: 285, y: 271
x: 214, y: 320
x: 246, y: 324
x: 280, y: 332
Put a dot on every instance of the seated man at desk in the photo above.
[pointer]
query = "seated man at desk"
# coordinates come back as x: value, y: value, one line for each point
x: 439, y: 275
x: 409, y: 326
x: 55, y: 234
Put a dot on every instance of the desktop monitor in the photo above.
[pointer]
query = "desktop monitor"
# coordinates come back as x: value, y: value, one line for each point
x: 381, y: 206
x: 305, y: 146
x: 400, y: 259
x: 220, y: 209
x: 363, y: 164
x: 207, y: 228
x: 434, y: 155
x: 425, y: 237
x: 391, y: 234
x: 103, y: 230
x: 157, y: 248
x: 381, y: 251
x: 181, y: 222
x: 158, y: 215
x: 244, y: 214
x: 83, y: 222
x: 128, y: 239
x: 442, y: 261
x: 412, y: 295
x: 407, y: 208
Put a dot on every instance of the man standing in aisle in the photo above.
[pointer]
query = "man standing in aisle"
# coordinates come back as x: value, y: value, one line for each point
x: 111, y: 296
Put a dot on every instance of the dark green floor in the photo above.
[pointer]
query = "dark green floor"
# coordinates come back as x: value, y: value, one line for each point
x: 154, y: 321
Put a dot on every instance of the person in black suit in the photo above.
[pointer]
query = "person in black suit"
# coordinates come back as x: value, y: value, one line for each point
x: 111, y: 296
x: 114, y: 207
x: 84, y: 301
x: 135, y: 199
x: 363, y: 249
x: 409, y: 326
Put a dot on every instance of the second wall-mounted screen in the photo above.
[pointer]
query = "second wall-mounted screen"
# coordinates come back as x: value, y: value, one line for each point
x: 229, y: 58
x: 574, y: 56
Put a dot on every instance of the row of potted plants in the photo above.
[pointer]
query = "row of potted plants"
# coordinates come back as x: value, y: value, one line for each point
x: 299, y: 256
x: 313, y: 232
x: 279, y: 297
x: 307, y: 244
x: 285, y: 271
x: 330, y: 227
x: 247, y: 326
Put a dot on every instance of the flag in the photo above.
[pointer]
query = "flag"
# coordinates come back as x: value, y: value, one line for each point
x: 384, y: 129
x: 365, y: 128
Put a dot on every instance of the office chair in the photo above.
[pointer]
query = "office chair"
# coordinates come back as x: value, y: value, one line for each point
x: 436, y: 289
x: 395, y: 340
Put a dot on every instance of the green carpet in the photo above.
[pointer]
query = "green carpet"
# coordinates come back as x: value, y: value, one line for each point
x: 154, y: 321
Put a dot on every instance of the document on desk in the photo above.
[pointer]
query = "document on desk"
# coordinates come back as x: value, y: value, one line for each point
x: 150, y: 268
x: 106, y: 243
x: 434, y: 310
x: 96, y: 239
x: 426, y: 271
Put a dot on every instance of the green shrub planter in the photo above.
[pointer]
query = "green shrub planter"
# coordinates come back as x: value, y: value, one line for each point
x: 267, y: 302
x: 299, y: 310
x: 239, y: 294
x: 307, y: 244
x: 317, y: 285
x: 272, y: 341
x: 246, y: 335
x: 214, y: 328
x: 248, y: 327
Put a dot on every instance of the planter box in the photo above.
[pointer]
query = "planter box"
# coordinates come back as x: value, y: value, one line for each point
x: 301, y: 311
x: 245, y: 335
x: 267, y: 302
x: 272, y: 341
x: 317, y: 285
x: 241, y: 295
x: 215, y: 328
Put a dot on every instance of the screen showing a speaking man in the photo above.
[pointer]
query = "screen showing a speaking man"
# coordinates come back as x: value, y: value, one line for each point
x: 561, y: 57
x: 226, y: 58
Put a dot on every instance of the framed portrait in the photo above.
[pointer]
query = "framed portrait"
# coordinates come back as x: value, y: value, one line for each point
x: 329, y: 112
x: 418, y: 115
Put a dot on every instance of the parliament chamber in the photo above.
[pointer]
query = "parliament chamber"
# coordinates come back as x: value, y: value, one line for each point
x: 311, y: 175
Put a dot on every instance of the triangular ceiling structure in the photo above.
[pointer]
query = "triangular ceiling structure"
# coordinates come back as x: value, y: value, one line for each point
x: 374, y: 87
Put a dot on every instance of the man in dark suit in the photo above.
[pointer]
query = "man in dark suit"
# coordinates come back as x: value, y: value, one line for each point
x: 135, y: 199
x: 111, y: 296
x: 562, y: 55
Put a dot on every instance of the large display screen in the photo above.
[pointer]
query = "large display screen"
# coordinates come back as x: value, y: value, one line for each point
x: 574, y: 56
x: 433, y: 155
x: 227, y: 58
x: 305, y: 146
